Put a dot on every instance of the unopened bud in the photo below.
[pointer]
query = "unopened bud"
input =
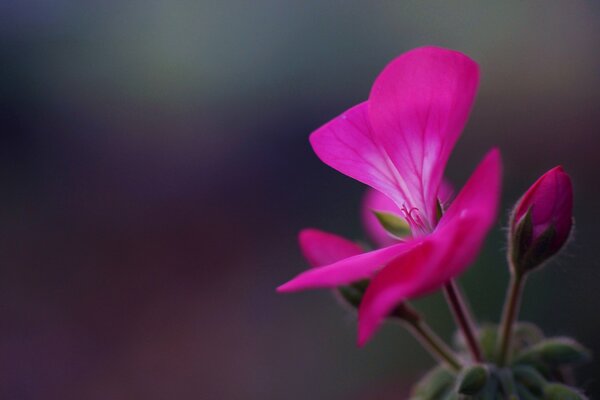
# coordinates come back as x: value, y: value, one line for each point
x: 541, y: 221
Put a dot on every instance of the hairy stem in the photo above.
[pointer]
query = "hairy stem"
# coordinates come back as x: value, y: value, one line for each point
x: 463, y: 318
x: 509, y: 315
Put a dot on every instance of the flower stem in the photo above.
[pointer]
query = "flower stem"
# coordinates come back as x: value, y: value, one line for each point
x: 432, y: 342
x: 463, y: 318
x: 509, y: 315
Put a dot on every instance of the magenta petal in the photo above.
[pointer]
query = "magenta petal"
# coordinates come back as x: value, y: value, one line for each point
x: 418, y: 107
x: 444, y: 254
x: 322, y: 248
x: 374, y: 200
x: 481, y: 194
x: 445, y: 193
x: 391, y: 286
x: 346, y: 144
x: 345, y: 271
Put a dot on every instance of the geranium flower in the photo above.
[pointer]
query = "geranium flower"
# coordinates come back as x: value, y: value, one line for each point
x: 399, y: 142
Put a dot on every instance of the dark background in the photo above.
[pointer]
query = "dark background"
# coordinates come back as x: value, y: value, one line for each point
x: 156, y: 170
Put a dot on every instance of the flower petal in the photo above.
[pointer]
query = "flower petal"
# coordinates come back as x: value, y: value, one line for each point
x: 390, y: 287
x: 374, y: 200
x: 444, y: 254
x: 322, y: 248
x: 346, y: 271
x: 346, y: 144
x: 418, y: 107
x: 481, y: 193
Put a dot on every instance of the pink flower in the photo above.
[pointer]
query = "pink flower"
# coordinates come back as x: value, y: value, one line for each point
x: 542, y: 220
x: 398, y: 142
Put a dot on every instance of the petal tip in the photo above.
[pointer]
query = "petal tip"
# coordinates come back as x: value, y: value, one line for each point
x: 287, y: 287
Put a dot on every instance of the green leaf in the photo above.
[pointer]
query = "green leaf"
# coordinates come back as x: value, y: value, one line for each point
x: 393, y: 224
x: 473, y: 380
x: 554, y: 352
x: 434, y: 385
x: 557, y: 391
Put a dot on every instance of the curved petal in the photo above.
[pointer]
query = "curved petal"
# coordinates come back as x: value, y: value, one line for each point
x: 390, y: 287
x: 418, y: 107
x: 481, y: 193
x: 346, y: 271
x: 444, y: 254
x: 322, y: 248
x: 346, y: 144
x: 374, y: 200
x: 420, y: 271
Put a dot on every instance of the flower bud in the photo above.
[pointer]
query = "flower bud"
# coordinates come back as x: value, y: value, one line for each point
x: 541, y: 221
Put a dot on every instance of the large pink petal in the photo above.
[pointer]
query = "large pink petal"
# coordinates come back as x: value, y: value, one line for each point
x: 374, y: 200
x: 346, y: 144
x: 349, y: 270
x: 322, y: 248
x: 444, y: 254
x: 418, y: 107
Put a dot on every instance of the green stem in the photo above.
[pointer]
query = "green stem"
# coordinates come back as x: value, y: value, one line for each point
x: 463, y: 318
x: 509, y: 315
x: 434, y: 344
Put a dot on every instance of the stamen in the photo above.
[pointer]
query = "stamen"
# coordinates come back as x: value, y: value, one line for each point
x: 413, y: 218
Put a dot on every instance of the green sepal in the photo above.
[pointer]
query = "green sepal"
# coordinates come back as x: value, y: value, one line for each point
x: 540, y: 250
x: 353, y: 294
x: 554, y: 352
x: 507, y: 383
x: 558, y: 391
x: 473, y: 380
x: 525, y: 335
x: 396, y: 226
x: 530, y: 378
x: 435, y: 385
x: 525, y: 394
x: 520, y: 242
x: 491, y: 389
x: 486, y: 336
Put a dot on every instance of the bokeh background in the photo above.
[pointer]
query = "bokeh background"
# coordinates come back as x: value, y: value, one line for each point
x: 156, y: 170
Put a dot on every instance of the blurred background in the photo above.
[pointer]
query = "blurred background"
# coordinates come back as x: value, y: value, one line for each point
x: 156, y: 170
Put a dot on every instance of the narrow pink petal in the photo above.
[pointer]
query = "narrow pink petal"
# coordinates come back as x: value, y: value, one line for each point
x: 322, y: 248
x: 345, y: 271
x: 418, y: 107
x: 374, y: 200
x: 346, y: 144
x: 481, y: 193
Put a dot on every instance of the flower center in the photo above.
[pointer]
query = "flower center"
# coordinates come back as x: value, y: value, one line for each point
x: 413, y: 217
